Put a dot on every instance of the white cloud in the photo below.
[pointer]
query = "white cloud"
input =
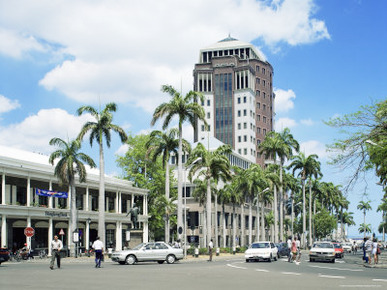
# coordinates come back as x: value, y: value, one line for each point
x: 283, y: 123
x: 284, y: 100
x: 7, y: 105
x: 15, y: 45
x: 314, y: 147
x: 122, y: 149
x: 307, y: 122
x: 124, y: 51
x: 35, y: 132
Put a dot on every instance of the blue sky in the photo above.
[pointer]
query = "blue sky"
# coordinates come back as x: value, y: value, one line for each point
x: 329, y: 58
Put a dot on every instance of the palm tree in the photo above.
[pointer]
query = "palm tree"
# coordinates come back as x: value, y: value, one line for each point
x: 365, y: 228
x: 69, y: 165
x: 347, y: 219
x: 383, y: 208
x: 264, y: 198
x: 308, y: 167
x: 100, y: 129
x: 163, y: 144
x: 211, y: 166
x: 364, y: 206
x: 186, y: 109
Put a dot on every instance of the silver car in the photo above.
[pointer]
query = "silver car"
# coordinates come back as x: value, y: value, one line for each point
x: 154, y: 251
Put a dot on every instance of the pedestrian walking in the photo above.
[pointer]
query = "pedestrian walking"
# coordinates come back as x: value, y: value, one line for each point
x: 298, y: 243
x: 375, y: 251
x: 368, y: 248
x: 289, y: 242
x: 56, y: 247
x: 98, y: 248
x: 210, y: 248
x: 294, y: 249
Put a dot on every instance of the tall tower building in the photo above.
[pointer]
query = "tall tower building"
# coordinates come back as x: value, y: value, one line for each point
x: 237, y: 83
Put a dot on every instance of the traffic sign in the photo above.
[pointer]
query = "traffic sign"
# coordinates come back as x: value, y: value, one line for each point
x: 61, y: 232
x: 29, y: 232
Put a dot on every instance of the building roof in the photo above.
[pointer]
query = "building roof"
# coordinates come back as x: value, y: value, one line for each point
x: 232, y: 43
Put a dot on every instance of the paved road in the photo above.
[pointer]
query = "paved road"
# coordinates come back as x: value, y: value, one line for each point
x: 223, y: 273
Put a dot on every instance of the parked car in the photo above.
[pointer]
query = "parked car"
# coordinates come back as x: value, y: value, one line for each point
x: 347, y: 247
x: 339, y: 250
x: 261, y: 251
x: 322, y: 251
x: 4, y: 255
x: 155, y: 251
x: 283, y: 249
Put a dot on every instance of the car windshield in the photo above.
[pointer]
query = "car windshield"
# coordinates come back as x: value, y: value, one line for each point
x: 337, y: 246
x: 323, y: 246
x: 260, y: 245
x: 138, y: 246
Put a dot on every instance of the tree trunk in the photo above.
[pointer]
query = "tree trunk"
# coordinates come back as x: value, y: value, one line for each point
x: 224, y: 226
x: 234, y: 228
x: 310, y: 214
x: 179, y: 181
x: 263, y: 236
x: 275, y: 208
x: 250, y: 222
x: 216, y: 222
x: 167, y: 197
x: 257, y: 218
x: 243, y: 226
x: 208, y: 208
x: 281, y: 204
x: 303, y: 215
x: 101, y: 197
x: 73, y: 216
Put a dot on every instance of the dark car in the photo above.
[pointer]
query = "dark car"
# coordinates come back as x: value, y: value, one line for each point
x: 4, y: 255
x: 283, y: 249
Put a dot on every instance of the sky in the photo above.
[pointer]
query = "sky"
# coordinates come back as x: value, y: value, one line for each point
x: 329, y: 58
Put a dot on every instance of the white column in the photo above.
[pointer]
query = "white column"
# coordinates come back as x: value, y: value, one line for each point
x: 50, y: 234
x: 87, y: 235
x: 87, y: 199
x: 4, y: 230
x: 13, y: 194
x: 50, y: 199
x: 69, y: 197
x: 28, y: 191
x: 28, y: 240
x: 118, y: 236
x: 120, y: 202
x: 3, y: 188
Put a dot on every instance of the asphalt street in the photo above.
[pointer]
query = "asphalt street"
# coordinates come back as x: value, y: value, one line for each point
x: 225, y: 272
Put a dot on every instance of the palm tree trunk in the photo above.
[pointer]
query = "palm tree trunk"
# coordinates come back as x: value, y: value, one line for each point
x: 167, y: 197
x: 257, y: 234
x: 310, y: 214
x: 281, y: 204
x: 101, y: 197
x: 208, y: 207
x: 216, y: 221
x: 179, y: 181
x: 303, y: 215
x: 263, y: 236
x: 204, y: 227
x: 234, y: 228
x: 242, y: 239
x: 73, y: 215
x: 224, y: 225
x: 275, y: 208
x: 250, y: 222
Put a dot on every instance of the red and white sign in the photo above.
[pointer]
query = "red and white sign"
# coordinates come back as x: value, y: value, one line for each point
x: 61, y: 232
x: 29, y: 232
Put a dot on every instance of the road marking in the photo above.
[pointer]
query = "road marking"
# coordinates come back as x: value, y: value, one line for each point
x: 331, y: 277
x: 232, y: 266
x: 291, y: 273
x: 338, y: 269
x: 360, y: 286
x: 379, y: 280
x: 262, y: 270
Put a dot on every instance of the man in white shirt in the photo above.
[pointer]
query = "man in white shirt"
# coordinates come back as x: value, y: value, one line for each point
x: 98, y: 248
x: 210, y: 247
x: 289, y: 242
x: 56, y: 247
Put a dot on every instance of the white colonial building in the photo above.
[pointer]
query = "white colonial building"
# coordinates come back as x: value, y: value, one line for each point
x: 21, y: 173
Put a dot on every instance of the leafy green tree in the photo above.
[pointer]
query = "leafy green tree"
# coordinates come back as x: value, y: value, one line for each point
x: 365, y: 228
x: 325, y: 223
x: 162, y: 144
x: 211, y: 166
x: 148, y: 174
x: 186, y: 108
x: 364, y: 206
x: 100, y: 129
x: 69, y: 165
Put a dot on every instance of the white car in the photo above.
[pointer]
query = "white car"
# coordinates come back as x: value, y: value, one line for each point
x: 323, y: 251
x: 347, y: 247
x: 261, y: 251
x: 145, y: 252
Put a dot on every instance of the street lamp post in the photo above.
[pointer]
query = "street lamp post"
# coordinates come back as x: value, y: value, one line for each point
x: 185, y: 204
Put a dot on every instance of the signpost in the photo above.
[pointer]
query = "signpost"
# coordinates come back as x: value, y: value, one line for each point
x: 29, y: 232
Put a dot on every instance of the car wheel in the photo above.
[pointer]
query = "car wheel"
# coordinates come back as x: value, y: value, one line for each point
x: 247, y: 260
x: 271, y: 258
x: 121, y: 263
x: 311, y: 260
x: 131, y: 259
x: 161, y: 262
x: 171, y: 259
x: 333, y: 261
x: 276, y: 258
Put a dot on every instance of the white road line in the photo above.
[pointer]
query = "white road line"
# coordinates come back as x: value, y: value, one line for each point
x: 360, y: 286
x: 232, y: 266
x: 331, y: 277
x: 337, y: 269
x: 291, y: 273
x: 262, y: 270
x: 379, y: 280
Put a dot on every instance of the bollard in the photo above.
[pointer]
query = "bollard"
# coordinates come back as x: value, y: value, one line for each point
x: 217, y: 251
x: 196, y: 252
